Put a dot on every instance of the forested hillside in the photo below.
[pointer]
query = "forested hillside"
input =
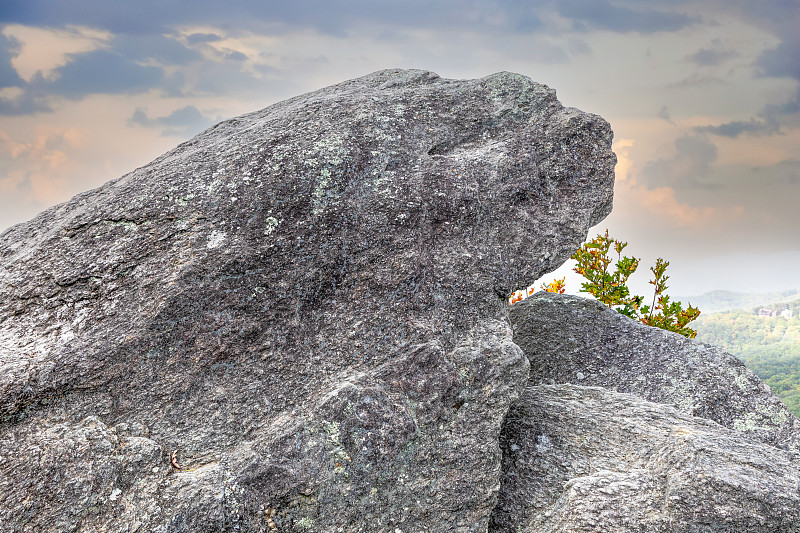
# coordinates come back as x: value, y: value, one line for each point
x: 770, y: 346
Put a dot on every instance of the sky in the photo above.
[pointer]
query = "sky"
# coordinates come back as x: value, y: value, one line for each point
x: 703, y: 97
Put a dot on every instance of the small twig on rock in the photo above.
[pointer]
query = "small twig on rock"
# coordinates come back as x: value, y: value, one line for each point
x: 173, y: 458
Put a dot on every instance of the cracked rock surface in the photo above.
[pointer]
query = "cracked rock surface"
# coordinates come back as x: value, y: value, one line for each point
x: 588, y: 459
x: 629, y: 428
x: 569, y: 339
x: 303, y: 306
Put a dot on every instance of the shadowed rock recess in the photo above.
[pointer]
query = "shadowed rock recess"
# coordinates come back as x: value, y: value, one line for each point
x: 296, y: 322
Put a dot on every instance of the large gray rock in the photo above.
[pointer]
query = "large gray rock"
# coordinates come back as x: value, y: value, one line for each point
x: 304, y: 305
x: 629, y: 428
x: 587, y: 459
x: 569, y: 339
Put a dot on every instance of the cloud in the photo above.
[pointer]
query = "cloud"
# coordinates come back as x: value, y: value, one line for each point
x: 779, y: 17
x: 783, y: 172
x: 99, y: 72
x: 159, y: 49
x: 235, y: 55
x: 789, y: 107
x: 711, y: 57
x: 222, y: 77
x: 119, y: 17
x: 77, y: 62
x: 579, y: 47
x: 43, y: 49
x: 25, y: 103
x: 37, y: 170
x: 227, y: 78
x: 693, y: 159
x: 781, y: 61
x: 770, y: 120
x: 738, y: 127
x: 184, y: 122
x: 601, y: 14
x: 148, y: 17
x: 9, y: 47
x: 202, y: 38
x: 662, y: 203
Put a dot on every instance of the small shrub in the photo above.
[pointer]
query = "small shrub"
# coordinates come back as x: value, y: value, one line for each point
x: 557, y: 286
x: 609, y: 286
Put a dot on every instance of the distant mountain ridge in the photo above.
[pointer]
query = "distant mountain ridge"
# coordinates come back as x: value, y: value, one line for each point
x: 717, y: 301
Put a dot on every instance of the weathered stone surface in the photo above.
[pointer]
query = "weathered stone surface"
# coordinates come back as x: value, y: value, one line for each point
x: 585, y: 450
x: 304, y: 304
x: 569, y: 339
x: 587, y: 459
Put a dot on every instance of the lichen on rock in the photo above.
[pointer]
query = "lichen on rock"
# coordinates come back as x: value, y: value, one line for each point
x: 337, y: 260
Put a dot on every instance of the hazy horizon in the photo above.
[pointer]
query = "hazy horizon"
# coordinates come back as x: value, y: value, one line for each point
x: 703, y: 97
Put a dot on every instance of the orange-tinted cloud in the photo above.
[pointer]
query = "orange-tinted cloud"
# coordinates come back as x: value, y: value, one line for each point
x: 42, y: 165
x: 44, y: 49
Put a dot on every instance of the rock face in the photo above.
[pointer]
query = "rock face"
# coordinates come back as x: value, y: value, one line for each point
x: 296, y: 321
x: 301, y: 308
x: 590, y: 459
x: 628, y: 428
x: 574, y: 340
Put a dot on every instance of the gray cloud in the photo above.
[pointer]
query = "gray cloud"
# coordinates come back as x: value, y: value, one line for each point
x: 25, y: 104
x: 780, y: 18
x: 201, y: 38
x: 8, y: 75
x: 784, y: 172
x: 122, y: 69
x: 769, y: 122
x: 664, y: 114
x: 31, y: 100
x: 155, y: 16
x: 235, y: 55
x: 142, y: 42
x: 579, y: 47
x: 602, y: 14
x: 183, y: 122
x: 226, y: 77
x: 693, y: 159
x: 174, y: 84
x: 782, y: 61
x: 159, y: 48
x: 738, y: 127
x: 790, y: 107
x: 711, y: 57
x: 98, y: 72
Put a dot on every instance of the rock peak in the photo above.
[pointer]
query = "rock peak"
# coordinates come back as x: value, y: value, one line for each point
x: 303, y: 306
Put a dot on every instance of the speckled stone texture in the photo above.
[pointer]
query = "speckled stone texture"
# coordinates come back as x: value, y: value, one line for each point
x: 587, y: 459
x: 304, y: 305
x: 569, y: 339
x: 628, y: 428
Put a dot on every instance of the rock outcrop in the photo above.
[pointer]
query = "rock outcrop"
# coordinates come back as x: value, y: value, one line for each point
x: 296, y: 320
x: 628, y: 428
x: 569, y: 339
